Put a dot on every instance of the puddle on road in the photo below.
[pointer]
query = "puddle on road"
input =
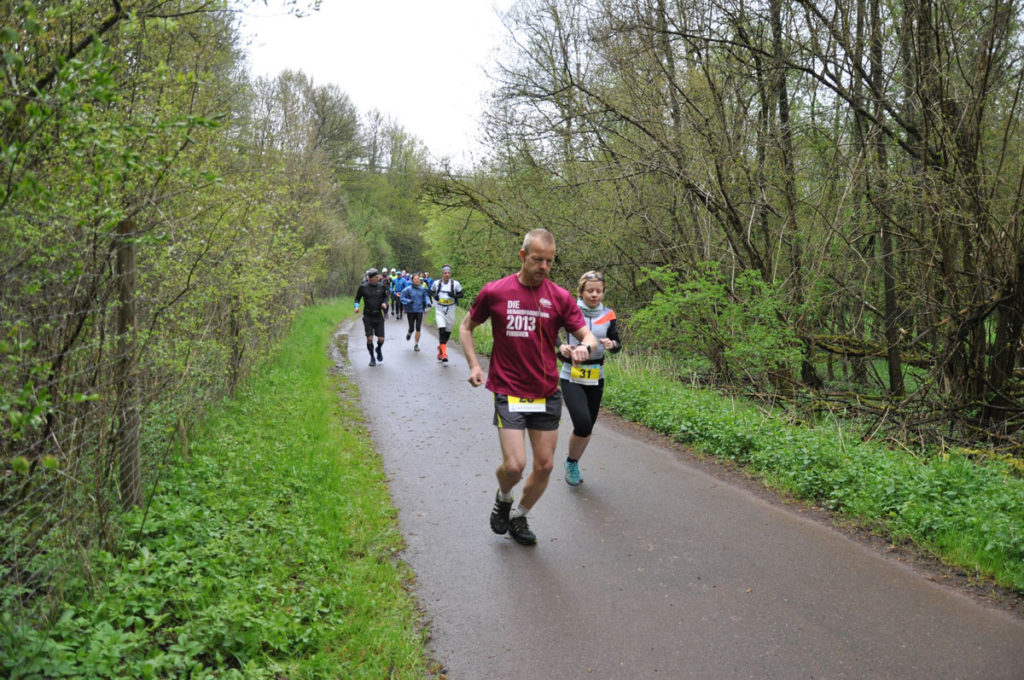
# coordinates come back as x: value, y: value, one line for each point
x: 338, y: 349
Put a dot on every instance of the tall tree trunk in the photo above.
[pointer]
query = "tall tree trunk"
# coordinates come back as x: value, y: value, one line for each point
x: 862, y: 188
x: 881, y: 188
x: 128, y: 419
x: 790, y: 227
x: 1008, y: 341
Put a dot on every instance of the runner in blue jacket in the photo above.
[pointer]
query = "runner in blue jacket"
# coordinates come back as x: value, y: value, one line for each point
x: 415, y: 299
x: 398, y: 284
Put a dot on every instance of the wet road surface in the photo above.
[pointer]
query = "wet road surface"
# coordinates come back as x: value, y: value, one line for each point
x: 652, y: 568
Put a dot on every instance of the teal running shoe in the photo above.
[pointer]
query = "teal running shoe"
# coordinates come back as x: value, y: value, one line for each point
x: 572, y: 473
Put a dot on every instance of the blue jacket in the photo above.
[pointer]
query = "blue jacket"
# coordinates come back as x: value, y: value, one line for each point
x: 415, y: 298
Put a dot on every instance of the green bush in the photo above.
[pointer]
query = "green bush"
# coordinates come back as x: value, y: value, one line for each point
x: 735, y: 324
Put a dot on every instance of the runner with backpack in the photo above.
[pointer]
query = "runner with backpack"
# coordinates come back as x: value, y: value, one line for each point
x: 446, y: 292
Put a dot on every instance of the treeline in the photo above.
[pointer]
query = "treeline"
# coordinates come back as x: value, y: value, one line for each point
x: 162, y: 215
x: 810, y: 199
x: 816, y: 202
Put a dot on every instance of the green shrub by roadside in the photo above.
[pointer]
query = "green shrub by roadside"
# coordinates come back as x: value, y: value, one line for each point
x: 267, y: 552
x: 733, y: 324
x: 967, y: 514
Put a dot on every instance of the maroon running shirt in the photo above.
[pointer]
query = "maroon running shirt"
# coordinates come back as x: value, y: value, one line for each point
x: 525, y: 323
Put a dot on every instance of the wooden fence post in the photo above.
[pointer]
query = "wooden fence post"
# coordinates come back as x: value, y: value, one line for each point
x: 127, y: 446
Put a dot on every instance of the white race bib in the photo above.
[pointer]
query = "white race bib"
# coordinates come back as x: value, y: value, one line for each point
x: 527, y: 405
x: 585, y: 374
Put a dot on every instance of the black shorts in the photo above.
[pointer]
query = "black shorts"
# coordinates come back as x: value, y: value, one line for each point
x: 505, y: 418
x: 373, y: 326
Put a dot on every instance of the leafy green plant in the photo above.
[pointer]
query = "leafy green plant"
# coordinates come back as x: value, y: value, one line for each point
x: 23, y: 410
x: 735, y: 324
x: 269, y: 552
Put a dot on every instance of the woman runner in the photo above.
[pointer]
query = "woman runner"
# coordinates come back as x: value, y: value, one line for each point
x: 583, y: 384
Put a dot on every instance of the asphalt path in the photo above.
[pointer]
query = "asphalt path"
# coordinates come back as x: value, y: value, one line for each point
x: 652, y: 568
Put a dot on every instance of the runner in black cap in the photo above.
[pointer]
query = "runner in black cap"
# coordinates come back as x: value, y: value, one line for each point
x: 374, y: 295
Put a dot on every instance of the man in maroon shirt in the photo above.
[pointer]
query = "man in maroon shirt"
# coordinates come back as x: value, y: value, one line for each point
x: 526, y: 311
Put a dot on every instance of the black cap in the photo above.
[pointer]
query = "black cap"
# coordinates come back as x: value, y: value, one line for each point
x: 371, y: 272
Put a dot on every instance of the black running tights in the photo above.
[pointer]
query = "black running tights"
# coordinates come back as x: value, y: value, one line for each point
x: 583, y: 403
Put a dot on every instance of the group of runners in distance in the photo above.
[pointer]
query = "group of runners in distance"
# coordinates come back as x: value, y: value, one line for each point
x: 411, y: 294
x: 533, y: 366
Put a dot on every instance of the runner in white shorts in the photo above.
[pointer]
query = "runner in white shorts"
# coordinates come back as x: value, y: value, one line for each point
x: 446, y: 292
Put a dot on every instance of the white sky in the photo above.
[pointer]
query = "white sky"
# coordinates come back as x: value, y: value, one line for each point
x: 421, y: 62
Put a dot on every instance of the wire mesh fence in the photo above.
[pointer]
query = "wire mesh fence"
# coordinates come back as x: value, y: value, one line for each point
x: 101, y: 376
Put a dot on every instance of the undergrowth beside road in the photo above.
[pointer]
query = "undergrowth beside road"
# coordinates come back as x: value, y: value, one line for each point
x: 966, y: 513
x: 268, y: 551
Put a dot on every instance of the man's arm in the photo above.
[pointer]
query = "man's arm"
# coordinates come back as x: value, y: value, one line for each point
x: 588, y: 343
x: 476, y: 374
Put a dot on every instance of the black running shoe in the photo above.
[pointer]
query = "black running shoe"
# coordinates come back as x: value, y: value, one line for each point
x: 499, y: 515
x: 520, y: 531
x: 380, y: 355
x: 373, y: 362
x: 408, y: 335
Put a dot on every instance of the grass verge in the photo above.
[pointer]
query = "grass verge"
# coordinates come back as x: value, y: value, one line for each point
x: 267, y: 552
x: 967, y: 514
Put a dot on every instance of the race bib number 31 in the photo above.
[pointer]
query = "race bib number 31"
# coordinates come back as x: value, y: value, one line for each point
x: 526, y: 405
x: 585, y: 374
